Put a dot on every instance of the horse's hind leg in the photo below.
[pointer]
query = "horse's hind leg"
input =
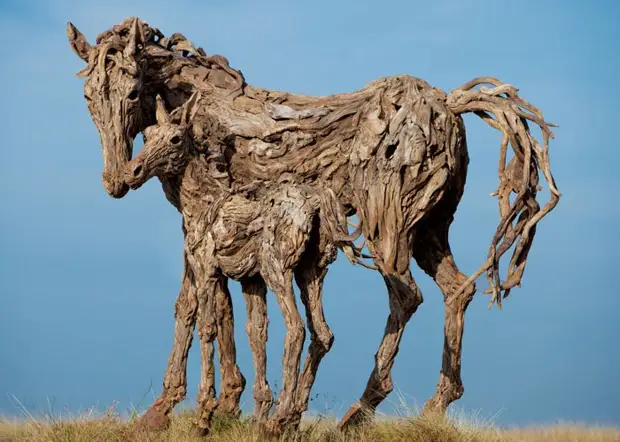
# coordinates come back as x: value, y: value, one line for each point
x: 255, y: 293
x: 433, y: 255
x: 405, y: 297
x: 232, y: 380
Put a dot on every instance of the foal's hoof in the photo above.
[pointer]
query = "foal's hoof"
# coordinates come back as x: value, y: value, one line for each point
x: 228, y: 413
x: 154, y: 420
x: 358, y: 415
x: 198, y: 431
x: 204, y: 419
x: 277, y: 427
x: 228, y: 406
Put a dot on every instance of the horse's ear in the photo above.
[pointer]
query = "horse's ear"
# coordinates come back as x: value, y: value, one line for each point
x: 161, y: 114
x: 78, y: 42
x: 134, y: 39
x: 190, y: 108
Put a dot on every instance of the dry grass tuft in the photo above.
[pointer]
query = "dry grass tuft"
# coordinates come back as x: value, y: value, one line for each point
x: 109, y: 427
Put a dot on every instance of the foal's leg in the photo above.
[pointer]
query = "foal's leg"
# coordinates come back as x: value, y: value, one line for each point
x: 433, y: 255
x: 232, y: 381
x: 310, y: 276
x: 207, y: 395
x: 207, y: 391
x: 201, y: 257
x: 282, y: 285
x: 207, y: 330
x: 255, y: 293
x: 405, y: 297
x: 175, y: 377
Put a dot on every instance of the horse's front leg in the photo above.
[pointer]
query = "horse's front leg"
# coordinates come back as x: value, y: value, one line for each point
x: 175, y: 377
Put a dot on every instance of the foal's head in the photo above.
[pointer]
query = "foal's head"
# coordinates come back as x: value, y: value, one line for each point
x: 168, y: 145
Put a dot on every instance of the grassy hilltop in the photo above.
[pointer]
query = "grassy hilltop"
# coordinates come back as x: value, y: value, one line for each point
x: 109, y: 427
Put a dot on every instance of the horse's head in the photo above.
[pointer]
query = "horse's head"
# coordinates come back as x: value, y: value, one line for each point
x: 114, y: 91
x: 168, y: 145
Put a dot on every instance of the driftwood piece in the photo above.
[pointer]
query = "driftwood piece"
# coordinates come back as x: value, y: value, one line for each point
x: 393, y: 153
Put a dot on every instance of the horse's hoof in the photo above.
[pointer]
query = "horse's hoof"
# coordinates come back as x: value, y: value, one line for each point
x: 154, y: 420
x: 357, y: 416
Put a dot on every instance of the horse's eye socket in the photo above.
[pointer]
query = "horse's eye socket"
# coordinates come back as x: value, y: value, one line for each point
x: 176, y: 139
x: 133, y: 95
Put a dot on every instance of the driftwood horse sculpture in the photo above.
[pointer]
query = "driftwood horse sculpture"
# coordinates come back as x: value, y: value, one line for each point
x: 393, y: 152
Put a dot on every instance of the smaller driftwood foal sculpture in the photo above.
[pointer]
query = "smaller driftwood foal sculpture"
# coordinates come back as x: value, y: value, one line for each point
x: 293, y: 232
x: 394, y: 153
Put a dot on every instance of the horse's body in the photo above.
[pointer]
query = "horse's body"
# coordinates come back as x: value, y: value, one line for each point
x: 394, y: 152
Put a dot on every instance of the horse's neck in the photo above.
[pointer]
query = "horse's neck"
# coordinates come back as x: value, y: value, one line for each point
x: 174, y: 76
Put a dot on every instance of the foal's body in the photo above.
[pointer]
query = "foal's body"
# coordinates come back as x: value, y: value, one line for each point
x: 263, y: 244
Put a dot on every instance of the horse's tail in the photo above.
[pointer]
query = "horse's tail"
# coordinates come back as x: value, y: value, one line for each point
x: 501, y: 107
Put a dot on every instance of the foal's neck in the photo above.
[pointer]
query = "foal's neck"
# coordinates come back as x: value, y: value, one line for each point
x: 193, y: 191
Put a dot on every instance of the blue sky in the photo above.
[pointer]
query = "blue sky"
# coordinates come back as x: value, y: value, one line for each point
x: 88, y: 283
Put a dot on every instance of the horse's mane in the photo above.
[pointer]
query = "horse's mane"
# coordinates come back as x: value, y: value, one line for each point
x: 177, y: 47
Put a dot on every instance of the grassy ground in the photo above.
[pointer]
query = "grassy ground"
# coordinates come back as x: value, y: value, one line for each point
x: 110, y: 428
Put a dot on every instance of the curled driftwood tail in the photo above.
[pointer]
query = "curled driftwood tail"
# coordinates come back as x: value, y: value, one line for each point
x: 501, y: 107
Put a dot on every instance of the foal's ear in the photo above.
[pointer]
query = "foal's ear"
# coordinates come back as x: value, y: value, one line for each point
x: 190, y: 108
x: 161, y: 114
